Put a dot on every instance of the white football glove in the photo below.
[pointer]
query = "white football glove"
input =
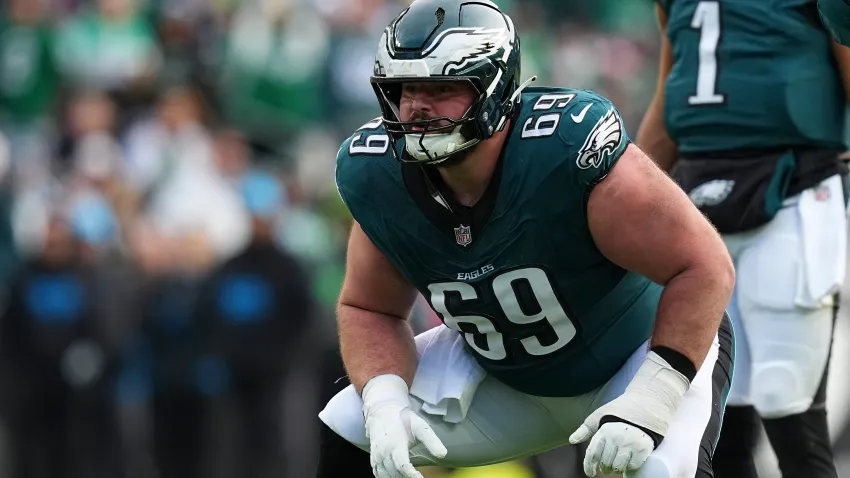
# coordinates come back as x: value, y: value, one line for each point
x: 392, y: 428
x: 650, y: 401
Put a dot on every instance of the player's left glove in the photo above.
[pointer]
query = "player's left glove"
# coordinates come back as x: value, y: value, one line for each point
x: 633, y: 424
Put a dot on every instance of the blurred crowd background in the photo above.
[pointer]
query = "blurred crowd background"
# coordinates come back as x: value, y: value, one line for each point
x: 171, y: 239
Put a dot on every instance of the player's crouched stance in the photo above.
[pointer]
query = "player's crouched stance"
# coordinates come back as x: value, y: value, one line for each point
x: 583, y: 294
x: 651, y: 402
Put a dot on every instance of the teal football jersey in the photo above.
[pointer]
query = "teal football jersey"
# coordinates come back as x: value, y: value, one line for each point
x: 519, y: 274
x: 836, y: 16
x: 751, y: 74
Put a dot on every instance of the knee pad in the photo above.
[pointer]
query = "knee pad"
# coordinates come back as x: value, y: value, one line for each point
x: 779, y: 389
x: 789, y: 351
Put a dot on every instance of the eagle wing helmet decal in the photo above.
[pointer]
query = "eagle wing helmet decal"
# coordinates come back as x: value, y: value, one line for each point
x: 602, y: 141
x: 458, y: 47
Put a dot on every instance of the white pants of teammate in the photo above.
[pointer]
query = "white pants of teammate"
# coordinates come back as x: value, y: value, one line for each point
x: 503, y: 424
x: 787, y: 274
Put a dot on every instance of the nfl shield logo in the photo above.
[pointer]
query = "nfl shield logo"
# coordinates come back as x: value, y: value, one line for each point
x: 463, y: 235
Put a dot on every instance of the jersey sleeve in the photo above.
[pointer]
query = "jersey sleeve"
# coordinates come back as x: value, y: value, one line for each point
x: 594, y: 144
x: 835, y: 15
x: 343, y: 175
x: 367, y: 177
x: 358, y: 159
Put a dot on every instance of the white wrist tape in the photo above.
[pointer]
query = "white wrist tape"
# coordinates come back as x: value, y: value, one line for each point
x: 385, y: 389
x: 658, y: 390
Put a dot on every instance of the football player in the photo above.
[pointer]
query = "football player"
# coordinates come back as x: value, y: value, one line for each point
x: 750, y: 110
x: 583, y: 294
x: 836, y: 16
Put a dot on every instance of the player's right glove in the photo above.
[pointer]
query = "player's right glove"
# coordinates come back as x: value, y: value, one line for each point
x: 626, y: 430
x: 392, y: 428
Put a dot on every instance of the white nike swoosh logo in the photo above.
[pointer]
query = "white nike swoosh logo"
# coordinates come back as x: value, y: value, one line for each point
x: 580, y: 117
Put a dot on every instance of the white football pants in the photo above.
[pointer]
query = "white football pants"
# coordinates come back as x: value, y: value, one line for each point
x: 788, y: 272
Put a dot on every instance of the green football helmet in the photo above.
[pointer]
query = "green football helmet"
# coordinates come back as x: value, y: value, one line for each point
x: 448, y: 40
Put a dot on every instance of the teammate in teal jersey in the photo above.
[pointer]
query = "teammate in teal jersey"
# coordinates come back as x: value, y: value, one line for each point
x: 750, y: 109
x: 582, y: 293
x: 836, y: 16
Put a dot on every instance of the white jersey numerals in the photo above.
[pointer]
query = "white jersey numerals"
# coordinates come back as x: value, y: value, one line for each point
x: 502, y: 286
x: 540, y: 126
x: 707, y: 20
x: 373, y: 144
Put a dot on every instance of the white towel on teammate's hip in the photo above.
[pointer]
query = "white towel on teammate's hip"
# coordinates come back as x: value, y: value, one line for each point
x: 823, y: 222
x: 447, y: 376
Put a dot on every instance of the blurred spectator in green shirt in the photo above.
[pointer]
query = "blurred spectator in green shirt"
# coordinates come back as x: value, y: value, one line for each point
x: 28, y: 84
x: 274, y: 52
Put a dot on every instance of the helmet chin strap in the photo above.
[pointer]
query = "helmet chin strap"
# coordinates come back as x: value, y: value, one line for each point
x: 521, y: 87
x: 512, y: 100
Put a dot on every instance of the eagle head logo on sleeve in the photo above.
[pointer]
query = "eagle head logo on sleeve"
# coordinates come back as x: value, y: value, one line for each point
x: 602, y: 141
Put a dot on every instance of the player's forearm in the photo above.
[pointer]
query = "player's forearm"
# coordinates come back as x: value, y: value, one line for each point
x: 375, y: 344
x: 691, y: 309
x: 652, y: 137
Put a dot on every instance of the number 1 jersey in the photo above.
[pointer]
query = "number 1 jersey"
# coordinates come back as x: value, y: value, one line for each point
x: 751, y: 74
x: 518, y: 274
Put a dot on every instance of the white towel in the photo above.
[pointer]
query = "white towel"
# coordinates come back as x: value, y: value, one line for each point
x: 824, y: 230
x: 447, y: 375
